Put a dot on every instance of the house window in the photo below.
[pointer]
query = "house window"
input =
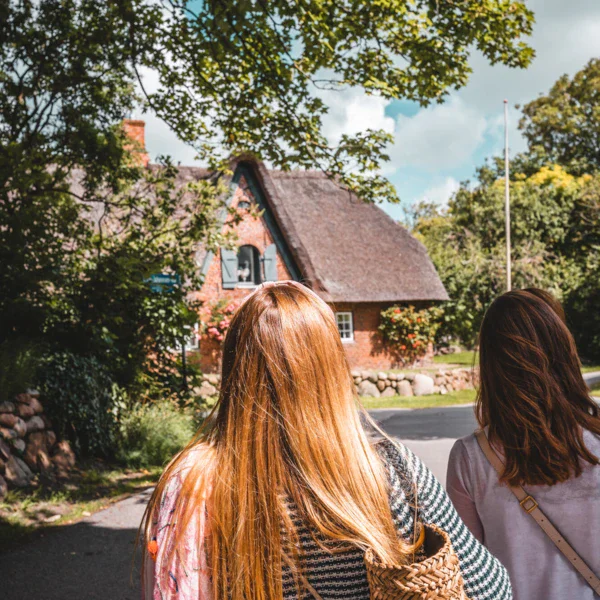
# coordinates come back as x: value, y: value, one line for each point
x: 244, y: 205
x: 345, y: 326
x: 248, y: 266
x: 192, y: 341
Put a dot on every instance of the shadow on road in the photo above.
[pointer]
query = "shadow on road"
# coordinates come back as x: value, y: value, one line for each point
x: 83, y: 561
x: 427, y: 423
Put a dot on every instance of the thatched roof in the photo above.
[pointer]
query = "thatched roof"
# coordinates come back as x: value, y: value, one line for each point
x: 356, y: 251
x: 345, y: 249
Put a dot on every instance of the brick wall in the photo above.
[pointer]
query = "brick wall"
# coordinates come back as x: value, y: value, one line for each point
x: 365, y: 351
x: 252, y: 230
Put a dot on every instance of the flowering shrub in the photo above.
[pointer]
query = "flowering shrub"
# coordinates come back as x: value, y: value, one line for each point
x: 218, y: 321
x: 409, y: 331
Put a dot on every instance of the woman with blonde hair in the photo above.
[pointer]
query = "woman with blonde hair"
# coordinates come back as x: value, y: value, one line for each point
x: 283, y: 490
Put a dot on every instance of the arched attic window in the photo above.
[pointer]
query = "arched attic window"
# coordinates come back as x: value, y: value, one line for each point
x: 246, y: 267
x: 248, y: 270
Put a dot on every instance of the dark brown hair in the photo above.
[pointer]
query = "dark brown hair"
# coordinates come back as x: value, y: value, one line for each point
x: 532, y: 396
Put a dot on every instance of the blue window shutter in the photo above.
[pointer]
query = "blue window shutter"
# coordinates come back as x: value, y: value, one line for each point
x: 270, y: 262
x: 229, y: 268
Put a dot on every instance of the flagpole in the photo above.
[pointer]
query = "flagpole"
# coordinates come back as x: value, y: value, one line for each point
x: 507, y: 200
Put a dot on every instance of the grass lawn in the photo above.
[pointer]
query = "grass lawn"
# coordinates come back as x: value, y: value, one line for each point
x: 431, y: 401
x: 464, y: 359
x: 89, y: 489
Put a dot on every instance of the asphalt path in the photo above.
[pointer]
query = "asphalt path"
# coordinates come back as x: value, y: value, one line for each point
x: 427, y: 423
x: 90, y: 560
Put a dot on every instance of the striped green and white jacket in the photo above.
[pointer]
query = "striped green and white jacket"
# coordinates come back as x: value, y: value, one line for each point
x: 342, y: 576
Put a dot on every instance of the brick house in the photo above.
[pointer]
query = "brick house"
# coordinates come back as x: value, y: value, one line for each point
x: 352, y: 254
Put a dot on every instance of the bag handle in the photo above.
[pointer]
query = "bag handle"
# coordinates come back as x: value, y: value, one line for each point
x: 531, y: 507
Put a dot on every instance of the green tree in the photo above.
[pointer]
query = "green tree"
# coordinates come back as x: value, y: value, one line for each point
x: 246, y: 75
x: 555, y: 217
x: 555, y: 239
x: 82, y: 225
x: 564, y: 125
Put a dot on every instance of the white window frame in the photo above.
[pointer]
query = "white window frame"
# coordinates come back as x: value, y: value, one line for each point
x: 258, y: 256
x: 345, y: 318
x: 192, y: 342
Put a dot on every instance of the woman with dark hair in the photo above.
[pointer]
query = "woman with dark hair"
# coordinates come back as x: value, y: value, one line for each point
x: 528, y: 486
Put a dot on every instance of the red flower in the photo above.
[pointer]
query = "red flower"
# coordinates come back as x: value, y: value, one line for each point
x: 397, y: 311
x: 402, y: 347
x: 410, y: 336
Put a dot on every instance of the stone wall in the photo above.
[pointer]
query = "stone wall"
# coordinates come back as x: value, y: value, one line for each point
x: 29, y: 449
x: 381, y: 384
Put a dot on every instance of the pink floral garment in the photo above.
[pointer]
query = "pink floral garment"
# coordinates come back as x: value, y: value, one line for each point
x: 187, y: 576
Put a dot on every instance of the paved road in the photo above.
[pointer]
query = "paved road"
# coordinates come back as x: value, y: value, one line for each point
x: 91, y: 560
x: 429, y: 432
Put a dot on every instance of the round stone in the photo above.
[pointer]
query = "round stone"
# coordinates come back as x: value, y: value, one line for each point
x: 404, y: 388
x: 368, y: 388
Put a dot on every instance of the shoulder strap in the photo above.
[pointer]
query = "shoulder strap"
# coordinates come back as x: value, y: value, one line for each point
x: 531, y: 507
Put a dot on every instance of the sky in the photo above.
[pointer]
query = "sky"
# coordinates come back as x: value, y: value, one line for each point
x: 439, y: 146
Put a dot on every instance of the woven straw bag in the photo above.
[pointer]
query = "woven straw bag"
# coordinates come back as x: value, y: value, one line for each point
x: 436, y: 576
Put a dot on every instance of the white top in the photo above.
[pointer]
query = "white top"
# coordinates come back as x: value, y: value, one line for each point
x: 537, y: 569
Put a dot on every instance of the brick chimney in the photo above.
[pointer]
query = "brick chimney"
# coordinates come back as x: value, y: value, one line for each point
x: 135, y: 130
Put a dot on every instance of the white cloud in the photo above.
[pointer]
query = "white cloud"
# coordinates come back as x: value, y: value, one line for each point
x: 441, y: 193
x: 160, y: 139
x: 439, y: 137
x: 352, y: 111
x: 565, y: 36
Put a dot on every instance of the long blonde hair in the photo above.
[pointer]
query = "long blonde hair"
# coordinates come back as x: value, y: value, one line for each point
x: 286, y: 429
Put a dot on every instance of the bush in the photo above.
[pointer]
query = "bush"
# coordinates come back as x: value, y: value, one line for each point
x: 151, y: 434
x: 18, y: 364
x: 82, y: 401
x: 408, y: 331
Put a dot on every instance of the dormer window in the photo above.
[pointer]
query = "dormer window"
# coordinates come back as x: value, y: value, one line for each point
x: 245, y: 267
x: 244, y: 204
x: 248, y: 270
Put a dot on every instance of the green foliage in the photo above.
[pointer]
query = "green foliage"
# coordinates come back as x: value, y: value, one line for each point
x: 555, y: 235
x: 83, y: 226
x: 151, y: 434
x: 251, y: 76
x: 408, y: 331
x: 110, y: 309
x: 564, y: 125
x: 82, y: 401
x: 555, y: 218
x: 19, y: 361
